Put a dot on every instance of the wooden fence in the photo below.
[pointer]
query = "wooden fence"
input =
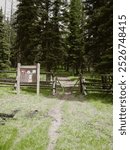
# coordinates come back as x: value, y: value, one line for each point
x: 7, y: 80
x: 101, y: 85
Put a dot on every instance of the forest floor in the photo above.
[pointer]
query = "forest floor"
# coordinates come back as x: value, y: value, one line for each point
x: 71, y: 122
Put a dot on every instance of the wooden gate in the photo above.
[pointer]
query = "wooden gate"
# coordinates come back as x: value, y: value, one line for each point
x: 68, y: 85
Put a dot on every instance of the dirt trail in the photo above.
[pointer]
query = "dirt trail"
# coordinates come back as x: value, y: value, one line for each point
x: 56, y: 114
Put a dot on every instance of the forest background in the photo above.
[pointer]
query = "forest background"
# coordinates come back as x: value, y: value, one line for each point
x: 76, y: 35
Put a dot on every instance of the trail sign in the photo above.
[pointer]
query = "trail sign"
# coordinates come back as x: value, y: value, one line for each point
x: 27, y: 75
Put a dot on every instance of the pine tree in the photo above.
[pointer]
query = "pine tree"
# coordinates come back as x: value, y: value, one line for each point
x: 76, y: 50
x: 51, y: 34
x: 99, y: 31
x: 12, y: 37
x: 26, y: 29
x: 47, y: 57
x: 105, y: 31
x: 4, y: 45
x: 58, y: 32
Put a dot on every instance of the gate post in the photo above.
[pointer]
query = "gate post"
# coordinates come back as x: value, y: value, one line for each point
x: 82, y: 85
x: 18, y: 78
x: 38, y: 79
x: 54, y: 86
x: 80, y: 81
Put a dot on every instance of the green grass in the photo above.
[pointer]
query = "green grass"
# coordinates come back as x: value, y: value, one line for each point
x: 64, y: 73
x: 72, y: 78
x: 32, y: 90
x: 24, y: 131
x: 37, y: 139
x: 7, y: 75
x: 7, y: 137
x: 92, y: 75
x: 86, y: 123
x: 42, y: 77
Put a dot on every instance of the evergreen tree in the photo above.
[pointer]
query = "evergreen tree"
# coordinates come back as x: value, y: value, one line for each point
x: 26, y: 29
x: 76, y: 50
x: 54, y: 34
x: 58, y: 32
x: 47, y: 57
x: 105, y: 31
x: 99, y: 31
x: 4, y: 45
x: 12, y: 41
x: 51, y: 34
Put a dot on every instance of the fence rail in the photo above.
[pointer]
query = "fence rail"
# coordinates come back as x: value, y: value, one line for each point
x: 104, y: 84
x: 12, y: 81
x: 7, y: 71
x: 86, y: 86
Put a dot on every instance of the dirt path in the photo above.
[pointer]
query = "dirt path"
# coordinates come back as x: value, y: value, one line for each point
x: 56, y: 114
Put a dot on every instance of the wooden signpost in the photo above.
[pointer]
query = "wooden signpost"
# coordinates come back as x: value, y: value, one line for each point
x: 27, y: 75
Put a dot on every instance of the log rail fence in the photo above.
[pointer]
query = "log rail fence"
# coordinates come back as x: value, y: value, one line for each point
x: 103, y: 84
x: 5, y: 80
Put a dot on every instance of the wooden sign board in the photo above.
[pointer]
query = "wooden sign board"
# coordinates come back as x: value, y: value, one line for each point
x: 28, y: 74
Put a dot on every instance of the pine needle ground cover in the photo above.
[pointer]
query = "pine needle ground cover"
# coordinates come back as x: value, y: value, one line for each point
x: 86, y: 122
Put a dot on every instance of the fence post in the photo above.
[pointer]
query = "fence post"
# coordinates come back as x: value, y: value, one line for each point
x: 38, y: 79
x: 18, y: 78
x: 52, y: 76
x: 80, y: 81
x: 54, y: 85
x: 83, y: 86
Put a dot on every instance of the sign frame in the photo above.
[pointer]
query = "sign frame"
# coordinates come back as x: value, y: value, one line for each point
x: 18, y: 78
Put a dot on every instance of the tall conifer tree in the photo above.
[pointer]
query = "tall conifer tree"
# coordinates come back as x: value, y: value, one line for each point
x: 4, y: 45
x: 26, y: 28
x: 51, y: 25
x: 99, y: 30
x: 75, y: 54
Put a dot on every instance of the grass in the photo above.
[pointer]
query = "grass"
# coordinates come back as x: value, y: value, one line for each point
x: 92, y: 75
x: 64, y: 73
x: 72, y: 78
x: 25, y: 131
x: 7, y: 137
x: 37, y: 139
x: 86, y: 124
x: 32, y: 90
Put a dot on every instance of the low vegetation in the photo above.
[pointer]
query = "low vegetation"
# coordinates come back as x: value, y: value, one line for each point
x: 86, y: 121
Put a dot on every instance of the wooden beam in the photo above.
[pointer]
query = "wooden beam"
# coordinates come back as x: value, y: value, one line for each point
x: 38, y: 79
x: 18, y: 78
x: 30, y: 67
